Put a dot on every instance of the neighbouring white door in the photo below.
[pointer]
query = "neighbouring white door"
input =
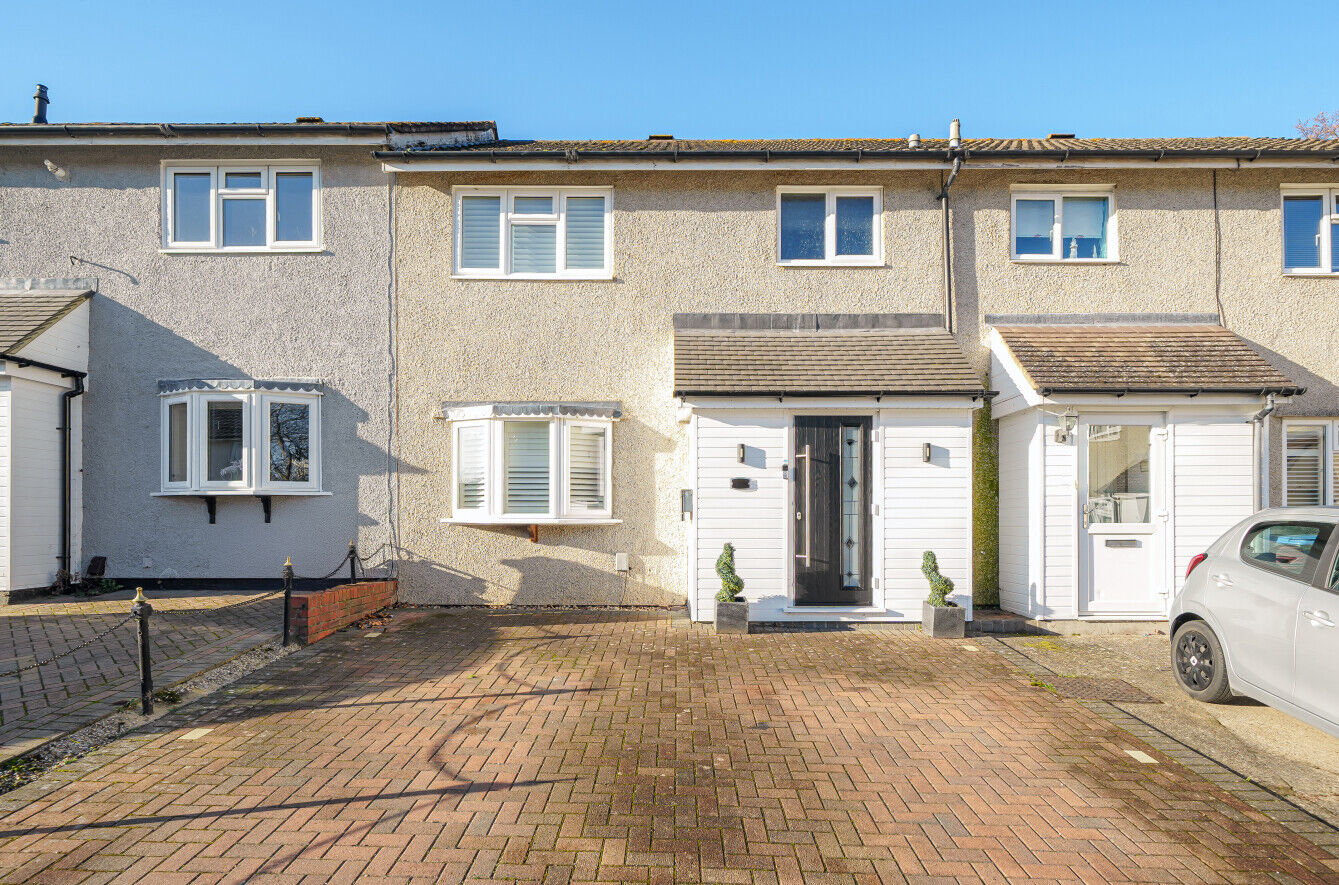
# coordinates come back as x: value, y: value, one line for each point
x: 1123, y: 516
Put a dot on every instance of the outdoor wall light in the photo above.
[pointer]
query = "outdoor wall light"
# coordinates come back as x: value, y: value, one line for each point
x: 925, y: 452
x: 1069, y: 422
x: 60, y: 173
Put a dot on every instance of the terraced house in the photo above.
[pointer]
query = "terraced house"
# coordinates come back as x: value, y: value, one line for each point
x: 617, y: 356
x: 195, y: 382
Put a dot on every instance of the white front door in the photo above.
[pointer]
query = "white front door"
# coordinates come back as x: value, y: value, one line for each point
x: 1123, y: 517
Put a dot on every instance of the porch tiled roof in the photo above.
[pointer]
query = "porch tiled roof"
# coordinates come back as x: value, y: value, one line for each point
x: 1119, y: 358
x: 25, y: 315
x: 819, y: 361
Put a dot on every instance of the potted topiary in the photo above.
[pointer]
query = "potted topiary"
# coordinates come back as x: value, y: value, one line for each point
x: 732, y: 613
x: 941, y: 617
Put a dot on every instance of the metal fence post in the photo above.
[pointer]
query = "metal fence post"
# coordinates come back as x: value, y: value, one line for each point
x: 353, y: 558
x: 141, y: 611
x: 288, y: 595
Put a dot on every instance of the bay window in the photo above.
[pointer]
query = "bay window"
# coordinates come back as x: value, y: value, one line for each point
x: 531, y: 463
x: 1063, y: 224
x: 819, y: 226
x: 241, y: 437
x: 533, y: 233
x: 1310, y: 221
x: 264, y: 207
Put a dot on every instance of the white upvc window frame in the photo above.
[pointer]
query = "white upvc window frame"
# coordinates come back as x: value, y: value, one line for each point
x: 1329, y: 428
x: 255, y: 443
x: 189, y: 402
x: 202, y: 443
x: 509, y: 218
x: 267, y: 193
x: 570, y: 507
x: 1329, y: 194
x: 1058, y: 193
x: 560, y: 511
x: 831, y: 259
x: 313, y: 404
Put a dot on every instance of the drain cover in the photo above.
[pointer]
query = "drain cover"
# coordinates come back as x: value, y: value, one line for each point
x: 1091, y: 689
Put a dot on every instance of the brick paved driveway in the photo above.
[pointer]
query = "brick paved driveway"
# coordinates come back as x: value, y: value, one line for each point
x: 631, y: 747
x: 191, y: 631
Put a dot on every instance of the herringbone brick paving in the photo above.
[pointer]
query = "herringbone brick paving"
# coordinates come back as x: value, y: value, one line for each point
x: 190, y: 631
x: 627, y: 747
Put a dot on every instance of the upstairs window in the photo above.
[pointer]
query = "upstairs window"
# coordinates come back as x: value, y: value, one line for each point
x: 1063, y: 225
x: 829, y: 226
x: 241, y: 208
x: 1310, y: 222
x: 241, y: 437
x: 532, y: 463
x: 533, y: 233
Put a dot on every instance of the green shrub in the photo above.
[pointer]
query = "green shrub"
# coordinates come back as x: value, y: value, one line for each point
x: 940, y: 586
x: 731, y: 583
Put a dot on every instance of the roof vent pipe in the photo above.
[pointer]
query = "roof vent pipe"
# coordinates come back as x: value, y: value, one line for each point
x: 39, y: 114
x: 914, y: 142
x: 954, y: 135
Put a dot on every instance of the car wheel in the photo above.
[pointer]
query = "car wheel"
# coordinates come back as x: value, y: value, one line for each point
x: 1197, y: 661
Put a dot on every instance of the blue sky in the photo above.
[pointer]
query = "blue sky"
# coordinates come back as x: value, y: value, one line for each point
x: 575, y: 69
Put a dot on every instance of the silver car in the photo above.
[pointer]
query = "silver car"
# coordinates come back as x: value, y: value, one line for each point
x: 1257, y: 615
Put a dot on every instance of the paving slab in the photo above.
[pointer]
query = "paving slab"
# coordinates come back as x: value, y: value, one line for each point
x: 612, y: 746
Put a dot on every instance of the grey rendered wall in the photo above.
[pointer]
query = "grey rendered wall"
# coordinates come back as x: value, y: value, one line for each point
x: 161, y: 316
x: 683, y: 242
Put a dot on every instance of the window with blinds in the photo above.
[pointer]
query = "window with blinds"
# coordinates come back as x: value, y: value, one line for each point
x: 1310, y: 219
x: 1304, y: 466
x: 587, y: 447
x: 533, y: 233
x: 472, y: 466
x: 525, y: 466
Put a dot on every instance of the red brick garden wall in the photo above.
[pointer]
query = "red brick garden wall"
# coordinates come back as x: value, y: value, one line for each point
x: 318, y: 613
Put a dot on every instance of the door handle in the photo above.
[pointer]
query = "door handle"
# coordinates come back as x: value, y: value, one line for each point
x: 1222, y: 580
x: 1319, y: 618
x: 803, y: 515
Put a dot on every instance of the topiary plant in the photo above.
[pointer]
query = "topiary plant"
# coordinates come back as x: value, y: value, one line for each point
x: 731, y: 583
x: 940, y: 586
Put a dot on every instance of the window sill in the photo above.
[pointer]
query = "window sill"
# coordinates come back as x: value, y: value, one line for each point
x: 1312, y: 274
x: 523, y: 520
x: 1065, y: 261
x: 277, y: 250
x: 812, y: 264
x: 536, y: 278
x: 240, y: 493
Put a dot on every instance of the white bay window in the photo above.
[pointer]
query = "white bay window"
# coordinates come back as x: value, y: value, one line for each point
x: 241, y: 437
x: 531, y: 463
x: 533, y: 233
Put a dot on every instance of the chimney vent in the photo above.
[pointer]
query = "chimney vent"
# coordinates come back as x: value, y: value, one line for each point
x: 309, y: 120
x: 914, y: 143
x: 660, y: 138
x: 954, y: 134
x: 39, y: 115
x: 1061, y: 135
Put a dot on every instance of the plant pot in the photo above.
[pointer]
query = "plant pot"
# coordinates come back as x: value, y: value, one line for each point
x: 732, y: 617
x: 944, y: 622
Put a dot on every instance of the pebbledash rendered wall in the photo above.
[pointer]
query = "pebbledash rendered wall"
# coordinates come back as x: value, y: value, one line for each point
x: 690, y: 241
x: 158, y: 316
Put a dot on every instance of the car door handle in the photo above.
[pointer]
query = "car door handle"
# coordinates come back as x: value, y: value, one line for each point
x: 1222, y: 580
x: 1319, y: 618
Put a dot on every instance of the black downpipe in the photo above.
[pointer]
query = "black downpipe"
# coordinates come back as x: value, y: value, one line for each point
x: 66, y: 471
x: 948, y: 243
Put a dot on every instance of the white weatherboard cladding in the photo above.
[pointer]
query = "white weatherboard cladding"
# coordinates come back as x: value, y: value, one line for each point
x: 753, y: 520
x: 65, y: 344
x: 926, y: 506
x: 1019, y: 437
x: 1060, y: 524
x: 1213, y: 483
x: 5, y: 479
x: 920, y: 506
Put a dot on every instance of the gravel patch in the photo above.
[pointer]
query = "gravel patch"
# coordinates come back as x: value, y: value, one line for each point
x: 19, y: 771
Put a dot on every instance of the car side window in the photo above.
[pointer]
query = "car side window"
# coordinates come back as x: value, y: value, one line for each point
x: 1290, y: 549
